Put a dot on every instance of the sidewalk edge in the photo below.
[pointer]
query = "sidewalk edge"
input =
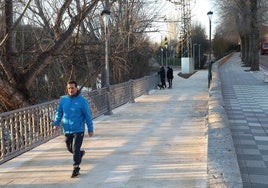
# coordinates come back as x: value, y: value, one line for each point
x: 223, y: 169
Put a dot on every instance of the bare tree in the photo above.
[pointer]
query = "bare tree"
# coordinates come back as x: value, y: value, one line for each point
x: 53, y: 41
x: 200, y: 43
x: 16, y: 81
x: 245, y: 16
x: 131, y: 52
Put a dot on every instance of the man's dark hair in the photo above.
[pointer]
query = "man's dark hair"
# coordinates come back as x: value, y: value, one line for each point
x: 72, y: 82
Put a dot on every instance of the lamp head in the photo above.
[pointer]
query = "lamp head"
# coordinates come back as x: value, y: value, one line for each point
x: 210, y: 13
x: 105, y: 16
x: 105, y: 12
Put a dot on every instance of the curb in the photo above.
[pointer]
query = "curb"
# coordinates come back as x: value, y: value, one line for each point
x: 223, y: 169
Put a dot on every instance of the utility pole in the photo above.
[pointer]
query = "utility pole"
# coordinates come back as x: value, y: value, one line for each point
x: 185, y: 31
x: 185, y: 35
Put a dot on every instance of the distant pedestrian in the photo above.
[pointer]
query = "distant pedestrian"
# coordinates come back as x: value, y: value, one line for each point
x: 170, y: 76
x: 162, y: 74
x: 73, y: 112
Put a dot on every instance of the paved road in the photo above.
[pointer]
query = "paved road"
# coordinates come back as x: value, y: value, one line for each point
x: 246, y: 104
x: 159, y: 141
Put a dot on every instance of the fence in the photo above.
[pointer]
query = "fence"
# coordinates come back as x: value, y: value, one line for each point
x: 23, y: 129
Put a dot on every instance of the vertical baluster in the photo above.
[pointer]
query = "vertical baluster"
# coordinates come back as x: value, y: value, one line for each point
x: 33, y: 126
x: 23, y: 129
x: 19, y: 129
x: 29, y: 130
x: 10, y: 134
x: 15, y: 131
x: 43, y: 131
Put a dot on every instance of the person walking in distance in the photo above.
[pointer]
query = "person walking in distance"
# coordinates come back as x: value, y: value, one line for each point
x: 72, y: 113
x: 170, y: 76
x: 162, y: 74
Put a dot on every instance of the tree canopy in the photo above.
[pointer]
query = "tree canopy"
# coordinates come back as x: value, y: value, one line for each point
x: 242, y: 23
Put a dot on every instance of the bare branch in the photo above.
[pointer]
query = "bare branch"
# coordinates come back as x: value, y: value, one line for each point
x: 16, y: 23
x: 44, y: 59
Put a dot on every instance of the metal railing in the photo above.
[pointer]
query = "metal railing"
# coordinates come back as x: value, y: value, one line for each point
x: 25, y: 128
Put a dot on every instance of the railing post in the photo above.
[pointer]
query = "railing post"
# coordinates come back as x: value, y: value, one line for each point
x: 147, y: 84
x: 132, y: 96
x: 108, y: 100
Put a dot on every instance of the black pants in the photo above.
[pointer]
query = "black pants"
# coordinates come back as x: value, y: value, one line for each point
x: 73, y: 143
x: 163, y: 82
x: 170, y: 82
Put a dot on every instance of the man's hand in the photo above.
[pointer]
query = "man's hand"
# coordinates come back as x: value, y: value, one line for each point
x: 55, y: 128
x: 90, y: 134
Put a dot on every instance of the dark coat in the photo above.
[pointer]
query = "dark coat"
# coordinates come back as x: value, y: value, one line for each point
x: 162, y: 73
x: 170, y: 73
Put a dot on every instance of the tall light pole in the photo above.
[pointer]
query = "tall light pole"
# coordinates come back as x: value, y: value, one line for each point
x: 106, y: 17
x: 210, y: 13
x: 194, y: 52
x: 199, y: 61
x: 161, y: 56
x: 166, y: 45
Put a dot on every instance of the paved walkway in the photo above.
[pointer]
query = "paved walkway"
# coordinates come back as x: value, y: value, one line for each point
x: 159, y: 141
x: 246, y: 103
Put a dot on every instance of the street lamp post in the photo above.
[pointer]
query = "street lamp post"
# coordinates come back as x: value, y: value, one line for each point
x: 194, y: 52
x: 106, y: 16
x: 199, y: 61
x: 161, y: 56
x: 210, y: 13
x: 166, y: 45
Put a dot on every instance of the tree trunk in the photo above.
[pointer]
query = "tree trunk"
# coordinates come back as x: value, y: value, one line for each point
x: 11, y: 97
x: 254, y: 35
x: 242, y: 48
x: 247, y: 43
x: 10, y: 42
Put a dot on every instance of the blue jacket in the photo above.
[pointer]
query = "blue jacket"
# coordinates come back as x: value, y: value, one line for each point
x: 73, y: 112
